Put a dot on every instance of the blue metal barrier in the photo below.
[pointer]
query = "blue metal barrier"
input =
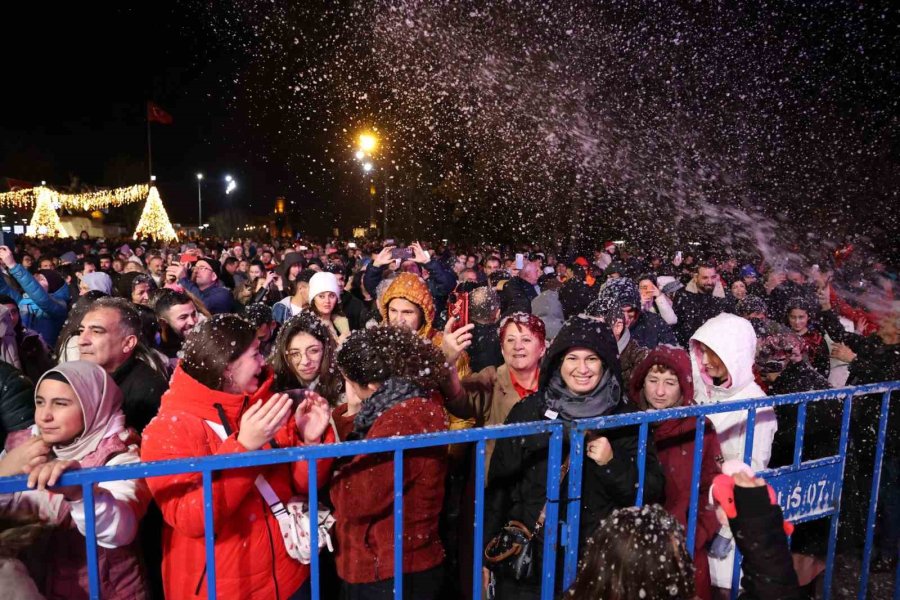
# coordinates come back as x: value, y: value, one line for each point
x: 806, y: 490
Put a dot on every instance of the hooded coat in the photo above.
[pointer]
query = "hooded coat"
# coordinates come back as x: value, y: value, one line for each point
x: 441, y: 282
x: 675, y: 446
x: 119, y: 505
x: 41, y: 311
x: 413, y: 288
x: 290, y: 259
x: 733, y: 339
x: 251, y: 559
x: 517, y: 482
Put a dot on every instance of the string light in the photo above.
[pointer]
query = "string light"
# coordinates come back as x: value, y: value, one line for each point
x: 45, y: 222
x: 85, y: 202
x: 154, y: 222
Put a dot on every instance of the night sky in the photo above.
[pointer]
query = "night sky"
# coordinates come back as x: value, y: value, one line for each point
x: 79, y: 105
x: 575, y: 120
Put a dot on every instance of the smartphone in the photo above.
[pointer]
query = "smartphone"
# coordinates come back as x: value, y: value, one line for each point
x: 297, y: 395
x: 678, y: 255
x: 458, y: 309
x: 188, y: 257
x: 402, y: 253
x: 520, y: 261
x: 351, y: 244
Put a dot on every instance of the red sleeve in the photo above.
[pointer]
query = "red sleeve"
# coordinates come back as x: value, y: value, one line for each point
x: 300, y: 469
x: 289, y: 437
x: 854, y: 314
x: 180, y: 497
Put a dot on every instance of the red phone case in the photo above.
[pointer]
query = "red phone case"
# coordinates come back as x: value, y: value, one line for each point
x: 458, y: 307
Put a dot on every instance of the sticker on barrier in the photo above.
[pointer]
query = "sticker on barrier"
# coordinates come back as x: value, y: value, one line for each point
x: 806, y: 493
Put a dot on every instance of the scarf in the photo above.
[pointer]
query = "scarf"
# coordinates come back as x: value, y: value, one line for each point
x: 392, y: 392
x: 570, y: 406
x: 101, y: 406
x: 622, y: 342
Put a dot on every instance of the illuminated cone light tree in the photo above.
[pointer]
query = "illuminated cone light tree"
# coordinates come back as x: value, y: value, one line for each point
x: 154, y: 221
x: 45, y: 222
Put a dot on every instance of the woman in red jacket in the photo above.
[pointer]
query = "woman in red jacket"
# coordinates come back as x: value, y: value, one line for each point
x: 660, y: 381
x: 395, y: 374
x: 221, y: 389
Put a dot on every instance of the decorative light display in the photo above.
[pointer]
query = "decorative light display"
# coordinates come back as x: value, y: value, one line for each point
x: 154, y: 221
x: 85, y: 202
x: 45, y: 222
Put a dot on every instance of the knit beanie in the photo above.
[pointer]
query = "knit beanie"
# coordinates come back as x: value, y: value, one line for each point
x: 323, y: 282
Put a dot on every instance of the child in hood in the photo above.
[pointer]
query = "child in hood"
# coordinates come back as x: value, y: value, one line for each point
x: 663, y: 380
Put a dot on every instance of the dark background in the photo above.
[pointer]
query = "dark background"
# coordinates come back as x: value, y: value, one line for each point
x: 793, y: 111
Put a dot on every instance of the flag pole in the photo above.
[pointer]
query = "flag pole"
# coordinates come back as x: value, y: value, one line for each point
x: 149, y: 147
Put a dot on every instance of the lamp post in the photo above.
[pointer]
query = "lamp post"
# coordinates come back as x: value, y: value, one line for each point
x: 366, y: 146
x: 199, y: 201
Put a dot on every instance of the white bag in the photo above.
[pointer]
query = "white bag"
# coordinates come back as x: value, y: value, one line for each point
x: 293, y: 521
x: 293, y: 518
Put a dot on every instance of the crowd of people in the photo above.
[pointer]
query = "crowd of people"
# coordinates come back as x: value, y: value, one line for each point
x: 120, y: 352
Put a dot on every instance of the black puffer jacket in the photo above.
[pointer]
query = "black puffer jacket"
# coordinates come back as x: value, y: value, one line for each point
x: 875, y: 361
x: 518, y: 476
x: 356, y: 312
x: 649, y: 331
x: 693, y: 310
x: 142, y: 388
x: 822, y: 417
x: 768, y: 568
x: 16, y: 401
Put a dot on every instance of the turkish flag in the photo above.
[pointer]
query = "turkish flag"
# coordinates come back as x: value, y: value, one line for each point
x: 157, y: 115
x: 18, y: 184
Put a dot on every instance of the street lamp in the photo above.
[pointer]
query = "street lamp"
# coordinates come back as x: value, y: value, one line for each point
x: 232, y: 184
x: 366, y: 145
x: 199, y: 200
x: 367, y: 142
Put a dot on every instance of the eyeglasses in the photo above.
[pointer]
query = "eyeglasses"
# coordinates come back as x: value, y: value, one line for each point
x: 202, y: 268
x: 311, y: 353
